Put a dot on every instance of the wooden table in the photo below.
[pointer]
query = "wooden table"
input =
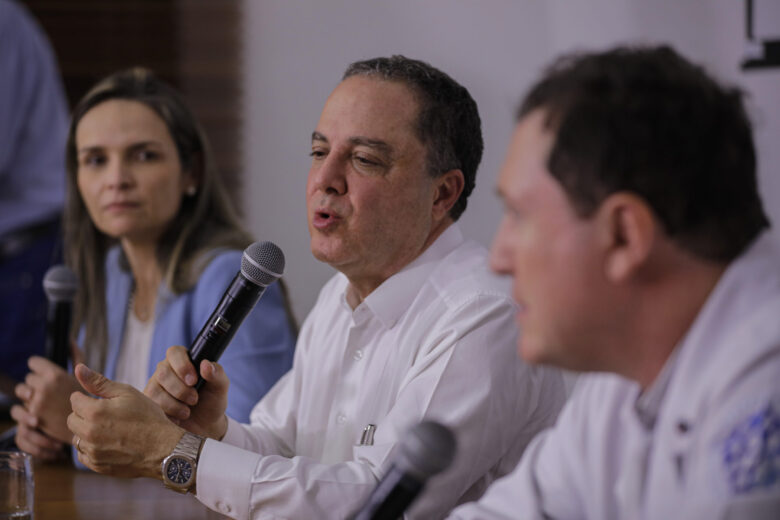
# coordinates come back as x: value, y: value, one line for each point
x: 64, y: 493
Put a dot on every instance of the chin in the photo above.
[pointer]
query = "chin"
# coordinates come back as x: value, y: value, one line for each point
x: 319, y: 256
x: 322, y: 252
x: 530, y: 351
x: 115, y: 232
x: 121, y: 227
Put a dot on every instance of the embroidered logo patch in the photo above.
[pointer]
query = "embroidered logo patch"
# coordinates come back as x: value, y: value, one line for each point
x: 751, y: 452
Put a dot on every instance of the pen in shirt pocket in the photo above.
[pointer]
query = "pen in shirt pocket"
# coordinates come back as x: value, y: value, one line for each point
x: 367, y: 439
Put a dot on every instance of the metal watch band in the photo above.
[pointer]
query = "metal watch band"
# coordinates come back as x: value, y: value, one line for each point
x: 189, y: 446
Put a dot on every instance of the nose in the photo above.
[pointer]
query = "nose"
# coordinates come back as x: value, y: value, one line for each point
x: 500, y: 250
x: 328, y: 176
x: 118, y: 175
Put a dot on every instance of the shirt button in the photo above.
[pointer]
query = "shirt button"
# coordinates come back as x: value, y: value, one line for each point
x: 358, y: 355
x: 341, y: 418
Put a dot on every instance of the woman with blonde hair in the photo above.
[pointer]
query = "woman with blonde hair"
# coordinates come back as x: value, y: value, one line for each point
x: 153, y: 238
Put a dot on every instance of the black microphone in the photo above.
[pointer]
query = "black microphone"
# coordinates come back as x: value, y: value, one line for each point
x: 427, y: 449
x: 261, y: 265
x: 60, y: 285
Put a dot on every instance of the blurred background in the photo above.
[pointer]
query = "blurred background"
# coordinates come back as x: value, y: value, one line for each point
x: 257, y: 72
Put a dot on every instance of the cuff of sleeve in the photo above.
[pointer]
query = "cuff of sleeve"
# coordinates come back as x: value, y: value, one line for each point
x: 224, y: 479
x: 233, y: 434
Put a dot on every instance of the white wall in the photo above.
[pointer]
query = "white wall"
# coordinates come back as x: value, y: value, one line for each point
x: 296, y: 51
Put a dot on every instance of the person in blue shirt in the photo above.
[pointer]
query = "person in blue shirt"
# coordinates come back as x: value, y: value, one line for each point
x: 33, y: 128
x: 154, y: 240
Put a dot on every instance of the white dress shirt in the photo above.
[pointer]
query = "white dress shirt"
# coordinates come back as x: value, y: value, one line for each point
x: 436, y: 340
x: 703, y: 442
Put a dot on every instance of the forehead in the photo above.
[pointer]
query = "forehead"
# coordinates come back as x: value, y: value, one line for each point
x: 524, y: 178
x: 369, y: 107
x: 119, y: 120
x: 526, y: 158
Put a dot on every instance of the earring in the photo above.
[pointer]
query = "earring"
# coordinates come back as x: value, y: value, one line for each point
x: 191, y: 190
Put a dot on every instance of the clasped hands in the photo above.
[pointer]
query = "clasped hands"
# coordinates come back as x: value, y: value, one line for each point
x: 41, y: 418
x: 127, y: 433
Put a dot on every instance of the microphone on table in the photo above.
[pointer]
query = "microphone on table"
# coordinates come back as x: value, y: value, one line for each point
x: 60, y: 285
x: 261, y: 265
x: 427, y: 449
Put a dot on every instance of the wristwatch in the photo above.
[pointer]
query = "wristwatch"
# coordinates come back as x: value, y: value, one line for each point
x: 180, y: 467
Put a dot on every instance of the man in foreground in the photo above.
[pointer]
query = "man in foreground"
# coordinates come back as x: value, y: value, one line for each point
x: 413, y: 327
x: 635, y: 237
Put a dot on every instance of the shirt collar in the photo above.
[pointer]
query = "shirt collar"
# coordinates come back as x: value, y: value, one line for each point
x: 732, y: 298
x: 389, y: 301
x: 648, y: 403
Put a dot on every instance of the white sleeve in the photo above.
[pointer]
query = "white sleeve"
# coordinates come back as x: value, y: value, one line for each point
x: 467, y: 380
x: 242, y: 484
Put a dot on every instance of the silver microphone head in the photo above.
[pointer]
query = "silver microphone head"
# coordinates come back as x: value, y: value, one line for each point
x: 60, y: 284
x: 262, y: 263
x: 427, y: 449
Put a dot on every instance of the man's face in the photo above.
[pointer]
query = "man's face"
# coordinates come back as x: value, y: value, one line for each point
x: 368, y: 195
x: 550, y: 253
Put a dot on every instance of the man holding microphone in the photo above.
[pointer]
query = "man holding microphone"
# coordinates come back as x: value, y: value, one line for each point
x: 413, y: 327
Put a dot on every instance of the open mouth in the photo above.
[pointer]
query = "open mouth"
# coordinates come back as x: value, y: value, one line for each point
x: 323, y: 219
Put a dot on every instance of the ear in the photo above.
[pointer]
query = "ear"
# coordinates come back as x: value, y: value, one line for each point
x: 628, y: 230
x: 189, y: 183
x: 447, y: 189
x: 193, y: 175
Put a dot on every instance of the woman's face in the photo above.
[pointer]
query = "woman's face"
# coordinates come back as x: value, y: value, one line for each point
x: 129, y: 173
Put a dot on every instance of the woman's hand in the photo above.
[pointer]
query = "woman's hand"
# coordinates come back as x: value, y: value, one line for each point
x: 45, y: 394
x: 32, y: 441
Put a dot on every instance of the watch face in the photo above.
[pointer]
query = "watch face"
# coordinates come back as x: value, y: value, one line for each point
x: 178, y: 470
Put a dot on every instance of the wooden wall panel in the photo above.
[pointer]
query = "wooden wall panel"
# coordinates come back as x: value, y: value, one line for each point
x: 193, y: 44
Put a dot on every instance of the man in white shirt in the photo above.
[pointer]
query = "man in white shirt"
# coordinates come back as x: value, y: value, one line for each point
x: 637, y: 244
x: 414, y: 326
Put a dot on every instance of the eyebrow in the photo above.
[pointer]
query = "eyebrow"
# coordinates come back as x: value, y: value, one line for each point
x: 134, y: 146
x: 376, y: 144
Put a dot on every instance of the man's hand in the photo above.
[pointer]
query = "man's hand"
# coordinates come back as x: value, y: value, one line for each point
x: 124, y: 433
x: 171, y: 387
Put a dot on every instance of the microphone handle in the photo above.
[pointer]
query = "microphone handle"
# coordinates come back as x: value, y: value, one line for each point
x: 58, y: 333
x: 8, y: 440
x: 391, y: 497
x: 238, y: 301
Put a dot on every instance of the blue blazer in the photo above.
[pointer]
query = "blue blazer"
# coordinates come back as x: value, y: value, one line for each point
x: 259, y: 354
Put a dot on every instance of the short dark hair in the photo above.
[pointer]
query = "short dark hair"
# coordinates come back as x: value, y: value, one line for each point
x: 448, y: 123
x: 646, y: 120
